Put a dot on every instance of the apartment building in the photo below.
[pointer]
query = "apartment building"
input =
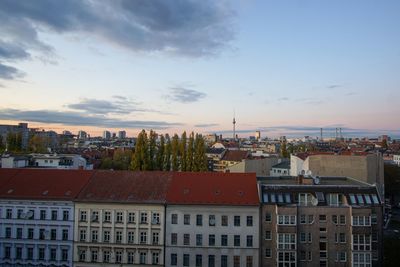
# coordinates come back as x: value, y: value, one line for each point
x: 36, y: 216
x: 212, y: 219
x: 320, y: 222
x: 119, y: 219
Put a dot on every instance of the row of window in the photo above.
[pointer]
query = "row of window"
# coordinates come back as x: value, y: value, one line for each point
x: 210, y: 260
x: 336, y: 219
x: 41, y: 233
x: 118, y: 237
x: 28, y: 254
x: 119, y: 217
x: 306, y: 237
x: 212, y: 220
x: 223, y: 240
x: 43, y: 214
x: 108, y: 256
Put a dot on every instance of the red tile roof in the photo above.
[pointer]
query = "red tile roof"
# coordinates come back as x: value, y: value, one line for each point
x: 6, y: 175
x: 213, y: 188
x: 127, y: 186
x: 235, y: 155
x: 47, y: 184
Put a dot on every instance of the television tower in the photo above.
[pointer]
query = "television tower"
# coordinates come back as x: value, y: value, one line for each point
x: 234, y: 126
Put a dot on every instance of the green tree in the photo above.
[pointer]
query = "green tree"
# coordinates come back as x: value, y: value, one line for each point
x: 201, y: 152
x: 152, y: 150
x: 384, y: 144
x: 175, y: 152
x: 37, y: 144
x: 284, y: 152
x: 140, y: 159
x: 121, y: 159
x: 190, y: 153
x: 183, y: 152
x: 160, y: 154
x: 167, y: 154
x: 14, y: 142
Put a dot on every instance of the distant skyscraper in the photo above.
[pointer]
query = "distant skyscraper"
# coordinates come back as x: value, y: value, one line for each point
x: 234, y: 126
x: 121, y: 135
x: 106, y: 135
x: 82, y: 135
x: 258, y: 135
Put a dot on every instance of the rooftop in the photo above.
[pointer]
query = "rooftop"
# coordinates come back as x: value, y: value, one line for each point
x: 235, y: 155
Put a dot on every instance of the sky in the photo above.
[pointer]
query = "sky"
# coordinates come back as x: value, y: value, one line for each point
x: 282, y: 67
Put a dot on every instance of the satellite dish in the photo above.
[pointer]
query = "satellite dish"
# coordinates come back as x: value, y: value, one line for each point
x: 309, y: 173
x: 303, y: 172
x: 314, y: 201
x: 212, y: 221
x: 317, y: 180
x: 29, y: 214
x: 154, y: 221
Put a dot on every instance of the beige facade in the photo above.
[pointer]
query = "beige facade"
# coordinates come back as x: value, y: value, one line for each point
x: 114, y: 234
x: 261, y: 167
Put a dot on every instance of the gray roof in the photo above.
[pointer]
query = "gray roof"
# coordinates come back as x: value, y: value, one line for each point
x: 283, y: 165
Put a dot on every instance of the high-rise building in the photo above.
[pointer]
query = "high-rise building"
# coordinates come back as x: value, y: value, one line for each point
x: 121, y: 134
x: 82, y: 134
x: 258, y: 135
x: 106, y: 135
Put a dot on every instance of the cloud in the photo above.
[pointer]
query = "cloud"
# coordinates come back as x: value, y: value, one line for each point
x: 333, y: 86
x: 310, y: 101
x: 9, y: 73
x: 184, y: 95
x: 205, y: 125
x: 81, y: 119
x: 174, y: 27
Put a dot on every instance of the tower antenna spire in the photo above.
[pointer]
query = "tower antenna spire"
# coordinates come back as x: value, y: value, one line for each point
x: 234, y: 125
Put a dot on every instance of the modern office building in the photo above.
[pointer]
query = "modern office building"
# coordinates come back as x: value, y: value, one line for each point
x: 212, y: 219
x: 37, y: 216
x: 320, y: 222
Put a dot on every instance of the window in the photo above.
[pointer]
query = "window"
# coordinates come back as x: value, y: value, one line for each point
x: 268, y: 217
x: 156, y: 218
x: 211, y: 240
x: 249, y: 220
x: 41, y: 234
x: 224, y: 240
x: 94, y: 254
x: 143, y: 218
x: 174, y: 218
x: 211, y: 260
x: 7, y: 252
x: 19, y: 233
x: 131, y: 217
x: 120, y: 217
x: 131, y: 237
x: 224, y: 261
x: 118, y: 256
x: 211, y: 220
x: 286, y: 219
x: 174, y: 259
x: 374, y: 219
x: 142, y: 257
x: 199, y: 260
x: 8, y: 232
x: 268, y: 253
x: 186, y: 259
x: 43, y: 214
x: 118, y: 236
x: 19, y: 213
x: 342, y: 219
x: 54, y: 215
x: 65, y: 215
x: 199, y: 239
x: 335, y: 200
x: 155, y: 238
x: 334, y: 219
x: 106, y: 256
x: 18, y: 253
x: 286, y: 241
x: 341, y: 256
x: 106, y: 236
x: 186, y: 219
x: 249, y: 241
x: 29, y: 254
x: 268, y: 235
x: 199, y: 220
x: 95, y: 216
x: 361, y: 242
x: 64, y: 254
x: 65, y: 234
x: 224, y: 220
x: 236, y: 261
x: 155, y: 258
x: 362, y: 259
x: 82, y: 254
x: 249, y: 261
x: 30, y: 233
x: 286, y: 258
x: 310, y: 219
x: 361, y: 221
x: 186, y: 239
x: 82, y: 235
x: 305, y: 255
x: 305, y: 237
x: 236, y: 240
x: 9, y: 214
x: 305, y: 199
x: 131, y: 257
x: 303, y: 219
x: 107, y: 216
x: 95, y: 234
x: 82, y: 216
x: 236, y: 221
x: 322, y: 218
x: 53, y: 234
x: 174, y: 238
x: 143, y: 237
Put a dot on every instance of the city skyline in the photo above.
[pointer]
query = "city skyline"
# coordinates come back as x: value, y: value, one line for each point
x: 286, y: 68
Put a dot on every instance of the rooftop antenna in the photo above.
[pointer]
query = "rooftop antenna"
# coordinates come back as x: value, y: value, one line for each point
x: 321, y: 135
x: 234, y: 125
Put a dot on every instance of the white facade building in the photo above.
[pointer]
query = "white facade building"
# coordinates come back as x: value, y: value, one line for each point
x: 396, y: 159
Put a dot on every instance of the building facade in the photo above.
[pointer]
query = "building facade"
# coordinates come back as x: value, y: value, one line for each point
x: 212, y: 219
x: 335, y: 223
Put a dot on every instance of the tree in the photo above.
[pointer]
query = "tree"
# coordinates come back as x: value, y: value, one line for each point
x: 284, y: 152
x: 140, y: 159
x: 152, y: 150
x: 201, y: 151
x: 175, y: 153
x: 37, y: 144
x: 160, y: 154
x: 167, y: 154
x: 384, y: 144
x: 190, y: 153
x: 14, y: 142
x: 183, y: 152
x: 121, y: 159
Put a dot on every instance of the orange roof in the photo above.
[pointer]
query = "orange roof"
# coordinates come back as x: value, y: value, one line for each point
x: 213, y: 188
x: 235, y: 155
x: 48, y: 184
x: 127, y: 186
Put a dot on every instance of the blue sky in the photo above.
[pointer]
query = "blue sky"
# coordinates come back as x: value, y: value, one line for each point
x: 285, y: 67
